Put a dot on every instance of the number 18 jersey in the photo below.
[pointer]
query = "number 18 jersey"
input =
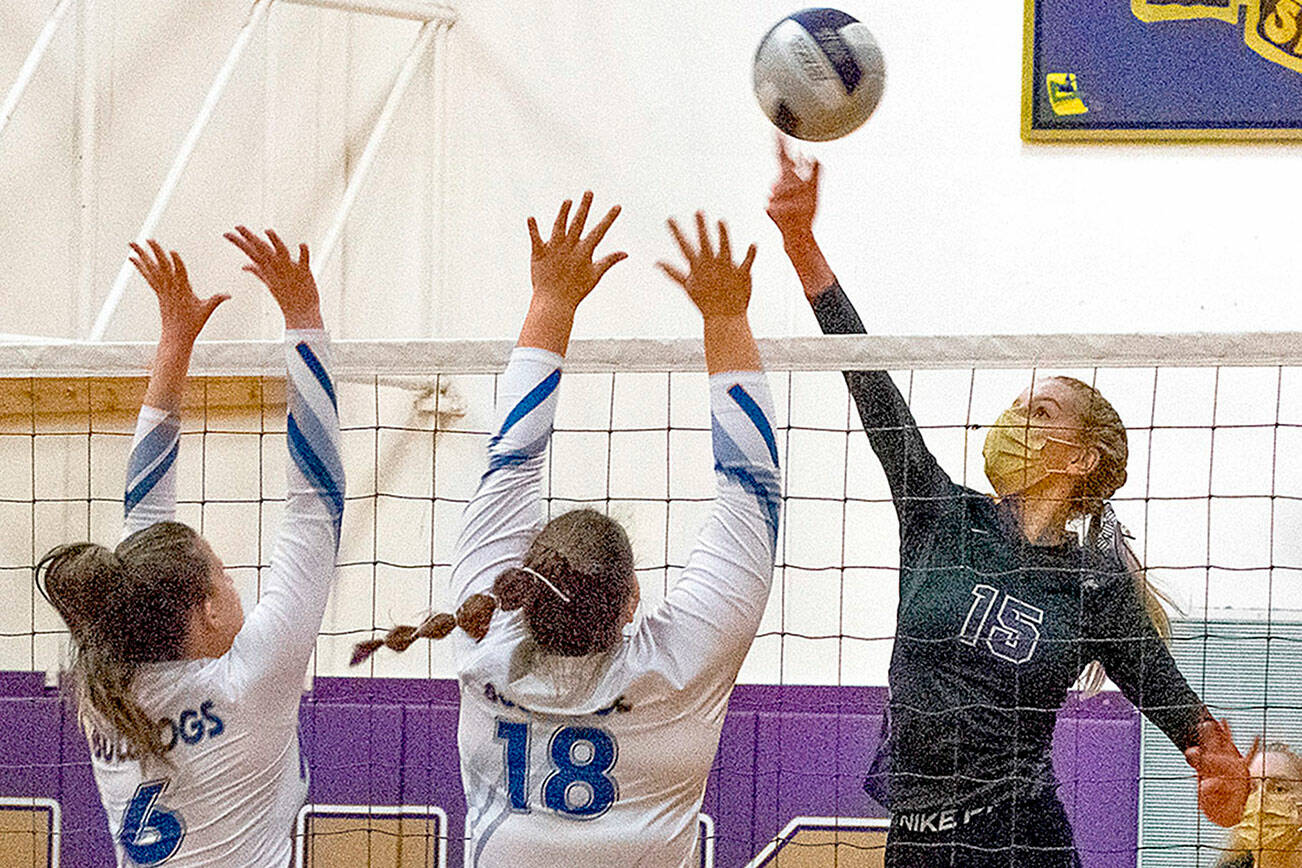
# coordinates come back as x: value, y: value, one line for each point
x: 602, y: 760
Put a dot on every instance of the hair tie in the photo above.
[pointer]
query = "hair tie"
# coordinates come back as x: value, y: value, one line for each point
x: 555, y: 590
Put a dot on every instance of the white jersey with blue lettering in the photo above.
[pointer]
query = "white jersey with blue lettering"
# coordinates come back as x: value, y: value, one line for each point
x: 235, y: 780
x: 602, y: 760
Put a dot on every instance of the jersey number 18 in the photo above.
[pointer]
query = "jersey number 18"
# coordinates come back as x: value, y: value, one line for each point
x: 580, y: 785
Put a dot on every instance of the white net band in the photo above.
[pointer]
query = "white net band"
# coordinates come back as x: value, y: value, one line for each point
x: 367, y: 358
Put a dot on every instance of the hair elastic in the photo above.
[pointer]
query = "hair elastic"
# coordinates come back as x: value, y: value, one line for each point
x: 540, y: 577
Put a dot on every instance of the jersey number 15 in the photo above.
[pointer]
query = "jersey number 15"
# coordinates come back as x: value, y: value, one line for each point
x: 580, y: 785
x: 1011, y: 634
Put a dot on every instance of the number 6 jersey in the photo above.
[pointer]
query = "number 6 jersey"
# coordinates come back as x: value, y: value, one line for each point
x: 233, y: 781
x: 602, y: 760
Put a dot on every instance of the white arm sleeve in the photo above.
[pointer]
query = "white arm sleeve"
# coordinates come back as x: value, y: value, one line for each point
x: 504, y: 515
x: 150, y: 495
x: 707, y: 621
x: 271, y: 651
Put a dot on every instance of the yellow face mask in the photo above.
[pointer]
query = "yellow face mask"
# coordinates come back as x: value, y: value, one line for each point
x: 1014, y: 452
x: 1270, y: 823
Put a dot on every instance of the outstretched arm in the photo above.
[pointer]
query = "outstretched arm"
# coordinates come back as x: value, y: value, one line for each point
x: 150, y: 495
x: 271, y: 651
x: 1123, y: 637
x: 708, y: 619
x: 793, y: 204
x: 918, y: 484
x: 502, y: 517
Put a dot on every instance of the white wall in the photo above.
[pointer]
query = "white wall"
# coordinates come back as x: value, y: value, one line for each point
x: 937, y: 218
x: 936, y: 215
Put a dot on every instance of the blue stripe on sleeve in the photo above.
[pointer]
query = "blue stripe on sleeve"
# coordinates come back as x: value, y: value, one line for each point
x: 151, y: 447
x: 726, y: 451
x: 747, y: 403
x: 307, y: 461
x: 536, y: 396
x: 312, y: 431
x: 765, y: 492
x: 135, y: 495
x: 318, y: 370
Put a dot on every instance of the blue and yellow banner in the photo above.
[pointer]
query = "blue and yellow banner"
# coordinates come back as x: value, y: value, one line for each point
x: 1162, y: 69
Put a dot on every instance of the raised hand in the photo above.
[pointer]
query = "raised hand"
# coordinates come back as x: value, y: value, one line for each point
x: 561, y: 267
x: 720, y: 289
x: 1223, y: 779
x: 716, y: 285
x: 183, y: 313
x: 793, y: 200
x: 291, y: 283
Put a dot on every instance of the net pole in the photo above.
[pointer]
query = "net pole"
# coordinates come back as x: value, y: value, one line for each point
x: 256, y: 17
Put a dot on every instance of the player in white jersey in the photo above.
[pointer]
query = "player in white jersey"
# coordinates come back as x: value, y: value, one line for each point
x: 580, y: 745
x: 191, y: 709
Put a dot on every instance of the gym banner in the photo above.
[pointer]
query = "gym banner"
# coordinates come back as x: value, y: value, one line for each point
x: 1162, y: 70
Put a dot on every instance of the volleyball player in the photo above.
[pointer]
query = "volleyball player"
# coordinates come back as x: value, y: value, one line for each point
x: 580, y: 745
x: 1001, y: 609
x: 191, y: 709
x: 1270, y: 833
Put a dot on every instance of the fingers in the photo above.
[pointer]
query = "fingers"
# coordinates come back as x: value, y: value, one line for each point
x: 162, y: 265
x: 784, y: 158
x: 580, y: 217
x: 211, y: 304
x: 675, y: 275
x: 599, y: 231
x: 604, y: 265
x: 703, y: 236
x: 179, y: 266
x: 267, y: 255
x: 725, y: 249
x: 279, y: 246
x: 683, y: 244
x: 252, y: 246
x: 750, y: 258
x: 142, y: 262
x: 814, y: 169
x: 562, y: 216
x: 535, y: 240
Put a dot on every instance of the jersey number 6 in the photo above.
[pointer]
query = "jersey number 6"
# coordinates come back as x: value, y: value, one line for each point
x: 580, y: 785
x: 150, y: 834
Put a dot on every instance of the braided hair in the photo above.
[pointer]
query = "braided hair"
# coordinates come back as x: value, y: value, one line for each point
x: 573, y: 587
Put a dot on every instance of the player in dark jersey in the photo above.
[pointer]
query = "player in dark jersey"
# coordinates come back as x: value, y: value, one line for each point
x: 1001, y: 609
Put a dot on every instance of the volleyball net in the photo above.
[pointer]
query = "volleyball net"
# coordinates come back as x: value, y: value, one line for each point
x: 1213, y: 498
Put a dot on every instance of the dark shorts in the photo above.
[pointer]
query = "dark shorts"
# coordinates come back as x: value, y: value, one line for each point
x: 1013, y: 834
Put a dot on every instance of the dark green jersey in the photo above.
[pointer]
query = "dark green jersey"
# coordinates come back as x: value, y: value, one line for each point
x: 992, y: 631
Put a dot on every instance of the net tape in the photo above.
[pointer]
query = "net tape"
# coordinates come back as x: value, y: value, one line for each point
x: 355, y: 359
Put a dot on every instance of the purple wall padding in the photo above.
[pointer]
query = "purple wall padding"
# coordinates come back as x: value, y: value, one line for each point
x: 786, y: 751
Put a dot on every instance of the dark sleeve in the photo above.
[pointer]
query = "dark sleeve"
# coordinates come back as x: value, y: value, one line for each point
x: 918, y: 485
x: 1236, y: 860
x: 1121, y: 636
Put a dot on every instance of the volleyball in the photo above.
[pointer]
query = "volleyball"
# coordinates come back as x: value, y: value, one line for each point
x: 819, y: 74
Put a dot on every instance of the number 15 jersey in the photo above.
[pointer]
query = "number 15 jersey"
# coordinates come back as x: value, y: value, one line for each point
x: 602, y: 760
